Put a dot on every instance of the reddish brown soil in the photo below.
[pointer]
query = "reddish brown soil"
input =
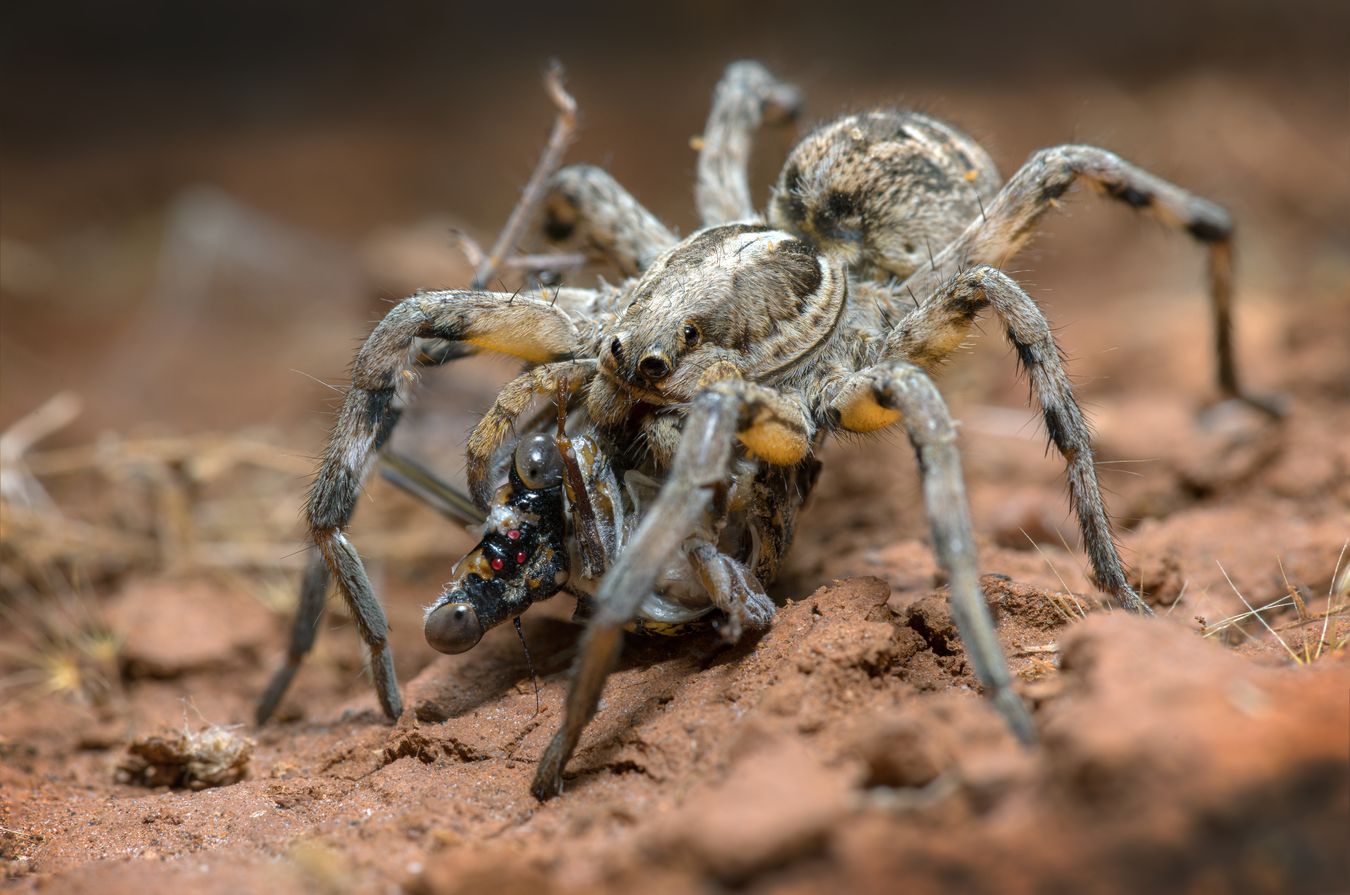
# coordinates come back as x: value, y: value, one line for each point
x: 846, y: 749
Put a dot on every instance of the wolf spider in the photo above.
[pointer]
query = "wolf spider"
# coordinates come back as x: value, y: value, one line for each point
x: 711, y: 376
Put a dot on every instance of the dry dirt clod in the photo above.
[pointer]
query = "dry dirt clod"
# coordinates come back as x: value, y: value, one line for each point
x: 171, y: 627
x: 213, y: 756
x: 776, y: 805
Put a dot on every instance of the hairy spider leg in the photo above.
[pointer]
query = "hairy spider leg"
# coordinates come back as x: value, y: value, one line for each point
x: 304, y: 628
x: 701, y: 466
x: 433, y: 351
x: 719, y: 415
x: 926, y: 336
x: 1009, y: 221
x: 746, y: 97
x: 591, y: 207
x: 528, y: 327
x: 906, y: 392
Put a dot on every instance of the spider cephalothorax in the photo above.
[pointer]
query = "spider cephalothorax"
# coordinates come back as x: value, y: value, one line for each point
x: 740, y: 294
x: 734, y: 301
x: 692, y: 398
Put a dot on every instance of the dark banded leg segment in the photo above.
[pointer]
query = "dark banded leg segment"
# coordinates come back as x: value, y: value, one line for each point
x: 345, y: 565
x: 927, y: 335
x: 304, y: 628
x: 905, y: 392
x: 316, y: 579
x: 1011, y: 218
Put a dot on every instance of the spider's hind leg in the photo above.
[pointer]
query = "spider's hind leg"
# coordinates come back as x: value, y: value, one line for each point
x: 1010, y: 220
x: 927, y: 335
x: 746, y: 97
x: 589, y: 206
x: 304, y: 628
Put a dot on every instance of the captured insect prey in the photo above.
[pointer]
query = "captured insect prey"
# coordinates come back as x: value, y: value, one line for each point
x: 522, y: 557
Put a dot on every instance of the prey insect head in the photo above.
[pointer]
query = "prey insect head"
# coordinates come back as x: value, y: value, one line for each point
x: 521, y: 558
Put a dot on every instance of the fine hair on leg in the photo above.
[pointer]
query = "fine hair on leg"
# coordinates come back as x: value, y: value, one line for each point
x: 525, y: 327
x: 1009, y: 221
x: 702, y: 464
x: 908, y: 393
x: 930, y: 333
x: 591, y: 207
x: 304, y: 628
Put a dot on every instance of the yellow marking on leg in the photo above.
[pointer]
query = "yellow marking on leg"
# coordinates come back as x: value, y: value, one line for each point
x: 862, y: 413
x: 521, y: 348
x: 721, y: 371
x: 774, y: 442
x: 944, y: 338
x: 528, y: 331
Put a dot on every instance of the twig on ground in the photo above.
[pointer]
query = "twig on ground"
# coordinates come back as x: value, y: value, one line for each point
x: 564, y: 131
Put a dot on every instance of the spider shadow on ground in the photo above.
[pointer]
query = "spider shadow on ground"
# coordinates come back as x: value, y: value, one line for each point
x: 498, y: 664
x: 673, y: 663
x: 464, y: 684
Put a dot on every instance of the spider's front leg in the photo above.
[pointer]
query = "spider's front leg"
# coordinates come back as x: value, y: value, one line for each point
x: 529, y: 328
x: 699, y: 476
x: 514, y: 398
x: 1010, y: 220
x: 316, y: 579
x: 930, y: 333
x: 418, y: 482
x: 895, y: 391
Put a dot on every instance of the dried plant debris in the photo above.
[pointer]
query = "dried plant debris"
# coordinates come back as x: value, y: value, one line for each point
x: 214, y: 756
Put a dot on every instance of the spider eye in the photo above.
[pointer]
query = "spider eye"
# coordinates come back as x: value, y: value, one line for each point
x: 538, y: 463
x: 691, y: 335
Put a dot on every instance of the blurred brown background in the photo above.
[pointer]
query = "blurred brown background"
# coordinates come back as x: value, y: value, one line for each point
x: 205, y: 204
x: 204, y: 207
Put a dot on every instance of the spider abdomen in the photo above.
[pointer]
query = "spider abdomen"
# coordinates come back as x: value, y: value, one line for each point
x: 882, y: 190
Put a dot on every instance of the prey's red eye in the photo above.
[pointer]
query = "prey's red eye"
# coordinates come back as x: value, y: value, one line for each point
x: 520, y: 557
x: 514, y: 534
x: 497, y: 563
